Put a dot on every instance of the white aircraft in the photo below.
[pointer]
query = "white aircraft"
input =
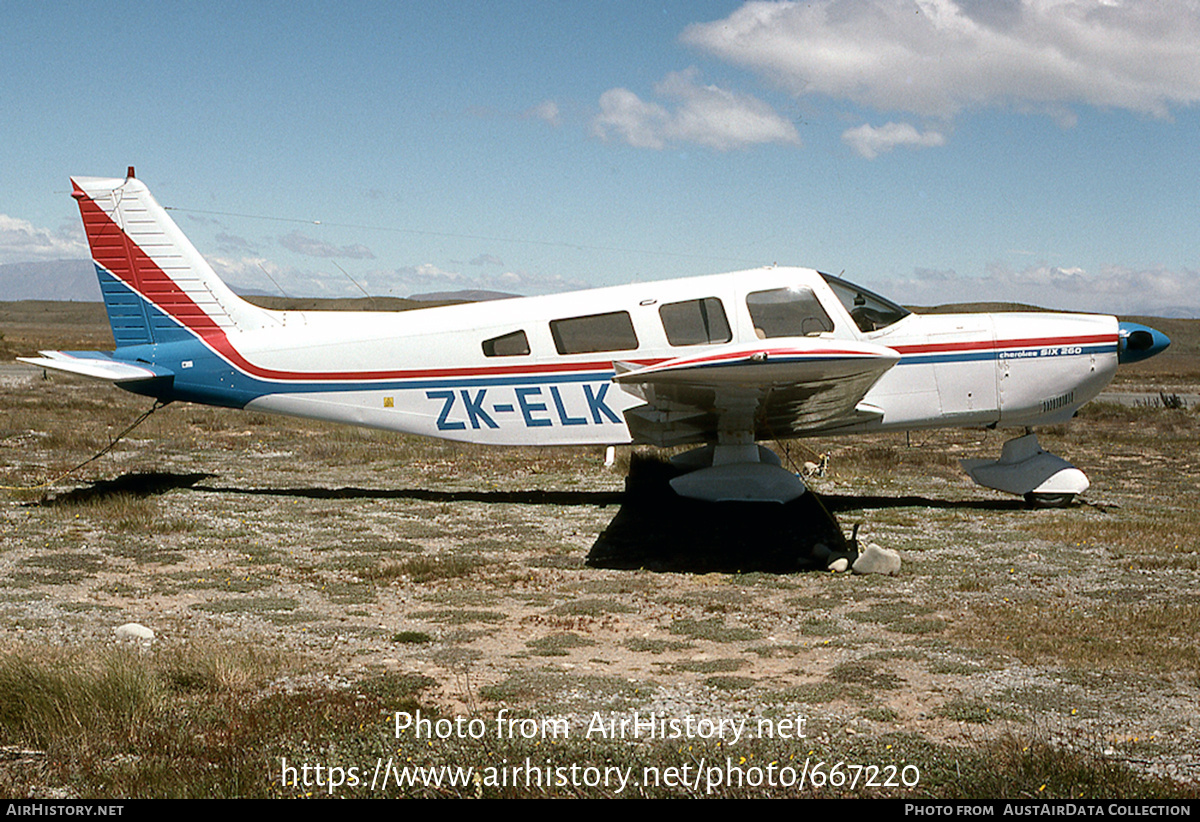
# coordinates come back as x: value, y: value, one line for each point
x: 719, y: 361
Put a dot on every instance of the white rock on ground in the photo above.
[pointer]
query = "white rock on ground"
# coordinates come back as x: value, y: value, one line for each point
x: 133, y: 632
x: 877, y: 560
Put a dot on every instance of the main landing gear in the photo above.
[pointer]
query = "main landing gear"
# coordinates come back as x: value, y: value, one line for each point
x: 735, y: 473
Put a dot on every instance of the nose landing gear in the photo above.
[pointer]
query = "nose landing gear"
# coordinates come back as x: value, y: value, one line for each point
x: 1026, y: 469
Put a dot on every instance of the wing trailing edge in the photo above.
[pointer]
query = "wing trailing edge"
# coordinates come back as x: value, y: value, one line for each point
x: 792, y: 361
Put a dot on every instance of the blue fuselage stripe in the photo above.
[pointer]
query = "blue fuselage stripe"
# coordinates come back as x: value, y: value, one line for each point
x: 202, y: 375
x: 1025, y: 353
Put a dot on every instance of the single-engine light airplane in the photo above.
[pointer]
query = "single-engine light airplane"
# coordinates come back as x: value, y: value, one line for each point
x: 717, y: 361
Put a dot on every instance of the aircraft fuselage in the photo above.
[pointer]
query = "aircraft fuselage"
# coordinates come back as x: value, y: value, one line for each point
x: 438, y: 371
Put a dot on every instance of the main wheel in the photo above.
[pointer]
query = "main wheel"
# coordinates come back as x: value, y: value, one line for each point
x: 1048, y: 500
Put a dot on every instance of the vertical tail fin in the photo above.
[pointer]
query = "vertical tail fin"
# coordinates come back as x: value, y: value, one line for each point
x: 156, y: 286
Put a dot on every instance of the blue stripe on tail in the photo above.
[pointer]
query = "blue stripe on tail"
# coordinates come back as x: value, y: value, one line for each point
x: 133, y: 321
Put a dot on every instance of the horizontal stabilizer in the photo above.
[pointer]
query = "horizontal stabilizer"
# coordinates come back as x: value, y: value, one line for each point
x: 97, y: 365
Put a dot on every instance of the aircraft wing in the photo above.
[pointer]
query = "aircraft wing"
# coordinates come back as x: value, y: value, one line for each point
x: 97, y: 365
x: 783, y: 388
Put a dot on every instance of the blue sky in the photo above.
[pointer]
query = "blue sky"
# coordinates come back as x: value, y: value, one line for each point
x: 1041, y: 151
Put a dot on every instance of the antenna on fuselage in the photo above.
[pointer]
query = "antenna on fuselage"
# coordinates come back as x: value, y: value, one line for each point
x: 356, y: 285
x: 272, y: 279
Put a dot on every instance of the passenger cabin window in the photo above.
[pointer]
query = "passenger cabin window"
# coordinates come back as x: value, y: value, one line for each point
x: 870, y: 312
x: 695, y: 322
x: 787, y: 312
x: 595, y: 332
x: 515, y: 344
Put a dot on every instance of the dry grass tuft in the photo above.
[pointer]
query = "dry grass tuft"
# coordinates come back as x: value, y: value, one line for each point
x: 1156, y: 637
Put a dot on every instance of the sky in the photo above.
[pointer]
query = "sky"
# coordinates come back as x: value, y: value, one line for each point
x: 1041, y: 151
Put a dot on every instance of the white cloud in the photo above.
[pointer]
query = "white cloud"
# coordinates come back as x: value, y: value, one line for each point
x: 640, y: 124
x: 870, y: 142
x: 261, y: 274
x: 546, y: 111
x: 264, y: 275
x: 234, y: 243
x: 1155, y: 291
x: 526, y: 282
x: 255, y: 272
x: 21, y: 241
x: 704, y: 115
x: 428, y: 273
x: 937, y: 57
x: 429, y: 277
x: 309, y: 246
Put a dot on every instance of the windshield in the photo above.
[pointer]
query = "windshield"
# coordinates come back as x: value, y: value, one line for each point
x: 869, y: 311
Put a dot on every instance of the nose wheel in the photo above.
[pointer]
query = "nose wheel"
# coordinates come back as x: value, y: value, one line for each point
x: 1048, y: 500
x: 1026, y: 469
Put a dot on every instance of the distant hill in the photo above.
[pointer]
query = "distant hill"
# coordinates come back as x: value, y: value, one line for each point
x: 973, y: 308
x: 465, y: 296
x: 73, y: 280
x: 1175, y: 312
x: 334, y: 303
x: 374, y: 303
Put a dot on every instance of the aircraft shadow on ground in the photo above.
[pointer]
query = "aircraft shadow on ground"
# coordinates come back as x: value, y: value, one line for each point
x: 853, y: 502
x: 598, y: 499
x: 136, y: 484
x: 653, y: 529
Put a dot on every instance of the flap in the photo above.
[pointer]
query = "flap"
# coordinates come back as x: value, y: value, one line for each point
x: 770, y: 390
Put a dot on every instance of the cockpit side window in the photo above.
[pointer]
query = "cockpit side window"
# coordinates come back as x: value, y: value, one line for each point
x: 695, y: 322
x: 787, y: 312
x: 595, y: 332
x: 515, y: 344
x: 869, y: 311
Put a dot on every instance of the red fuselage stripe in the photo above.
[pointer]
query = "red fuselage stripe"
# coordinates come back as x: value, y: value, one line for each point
x: 1003, y: 345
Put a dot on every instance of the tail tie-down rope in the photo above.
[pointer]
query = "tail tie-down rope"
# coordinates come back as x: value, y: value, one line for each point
x: 144, y: 416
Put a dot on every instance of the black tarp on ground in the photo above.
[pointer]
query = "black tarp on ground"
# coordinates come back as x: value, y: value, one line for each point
x: 659, y: 530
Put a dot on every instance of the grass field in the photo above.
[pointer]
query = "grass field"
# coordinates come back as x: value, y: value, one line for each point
x: 308, y: 583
